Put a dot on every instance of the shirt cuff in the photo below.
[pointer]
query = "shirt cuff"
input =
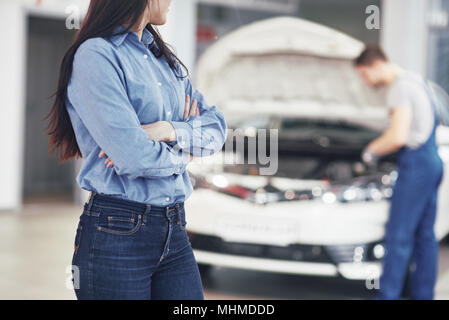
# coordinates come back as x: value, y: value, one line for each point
x: 183, y: 132
x: 181, y: 166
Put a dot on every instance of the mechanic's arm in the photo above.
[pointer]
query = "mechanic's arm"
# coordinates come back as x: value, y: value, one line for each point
x: 204, y: 134
x: 98, y: 94
x: 396, y: 136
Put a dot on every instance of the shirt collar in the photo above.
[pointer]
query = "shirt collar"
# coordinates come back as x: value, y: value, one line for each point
x: 147, y: 37
x: 120, y: 35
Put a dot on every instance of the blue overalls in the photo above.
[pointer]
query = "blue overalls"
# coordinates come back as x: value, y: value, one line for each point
x: 410, y: 239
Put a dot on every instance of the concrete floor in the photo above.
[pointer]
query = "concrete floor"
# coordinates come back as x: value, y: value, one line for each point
x: 36, y: 246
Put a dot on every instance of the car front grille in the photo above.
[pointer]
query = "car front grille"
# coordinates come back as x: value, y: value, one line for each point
x: 296, y: 252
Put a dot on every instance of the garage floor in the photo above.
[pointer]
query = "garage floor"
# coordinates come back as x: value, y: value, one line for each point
x: 36, y: 247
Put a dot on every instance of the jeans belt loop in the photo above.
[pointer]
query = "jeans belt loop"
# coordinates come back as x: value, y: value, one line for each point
x: 178, y: 211
x: 147, y: 213
x: 167, y: 211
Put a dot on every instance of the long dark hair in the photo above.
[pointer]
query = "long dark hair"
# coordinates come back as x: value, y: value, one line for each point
x: 102, y: 18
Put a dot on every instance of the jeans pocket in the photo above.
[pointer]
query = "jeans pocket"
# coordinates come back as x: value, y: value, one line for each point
x: 119, y: 221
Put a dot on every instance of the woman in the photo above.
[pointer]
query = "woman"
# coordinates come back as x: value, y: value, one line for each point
x: 122, y: 94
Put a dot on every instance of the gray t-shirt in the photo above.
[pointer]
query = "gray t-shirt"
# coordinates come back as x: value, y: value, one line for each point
x: 408, y: 91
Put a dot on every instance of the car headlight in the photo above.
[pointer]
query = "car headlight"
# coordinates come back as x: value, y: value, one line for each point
x: 329, y: 197
x: 372, y: 190
x: 378, y: 251
x: 346, y: 194
x: 220, y: 181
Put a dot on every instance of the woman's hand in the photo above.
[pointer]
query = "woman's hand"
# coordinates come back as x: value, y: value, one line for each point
x: 160, y: 131
x: 163, y: 131
x: 108, y: 161
x: 191, y: 110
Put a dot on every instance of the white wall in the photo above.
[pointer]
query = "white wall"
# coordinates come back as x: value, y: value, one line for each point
x: 180, y: 30
x: 12, y: 95
x: 404, y: 33
x: 13, y: 19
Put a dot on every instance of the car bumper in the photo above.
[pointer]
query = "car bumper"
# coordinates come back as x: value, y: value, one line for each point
x: 285, y: 223
x: 353, y: 271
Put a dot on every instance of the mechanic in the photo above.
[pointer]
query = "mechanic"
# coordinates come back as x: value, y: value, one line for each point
x: 410, y: 240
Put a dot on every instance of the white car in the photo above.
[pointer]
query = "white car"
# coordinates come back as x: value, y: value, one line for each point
x: 323, y: 212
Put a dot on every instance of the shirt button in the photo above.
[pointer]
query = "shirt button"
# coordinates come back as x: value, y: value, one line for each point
x: 145, y: 56
x: 159, y: 84
x: 167, y: 199
x: 169, y: 112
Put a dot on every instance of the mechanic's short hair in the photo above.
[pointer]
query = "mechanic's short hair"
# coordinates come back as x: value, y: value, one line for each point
x: 371, y: 53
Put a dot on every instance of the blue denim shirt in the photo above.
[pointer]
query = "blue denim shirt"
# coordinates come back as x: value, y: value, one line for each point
x: 117, y: 85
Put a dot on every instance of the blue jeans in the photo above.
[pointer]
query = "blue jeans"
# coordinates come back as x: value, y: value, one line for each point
x: 130, y: 250
x: 410, y: 237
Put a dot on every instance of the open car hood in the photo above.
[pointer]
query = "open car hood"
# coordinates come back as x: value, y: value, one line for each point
x: 288, y: 66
